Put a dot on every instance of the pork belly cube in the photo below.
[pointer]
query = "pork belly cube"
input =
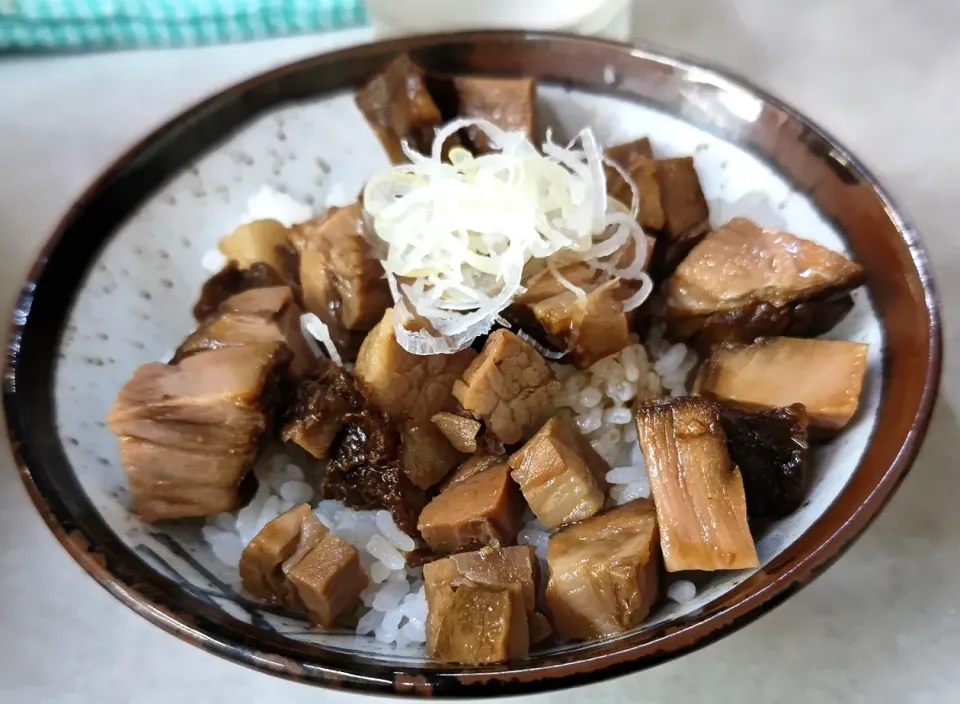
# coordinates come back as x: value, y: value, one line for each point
x: 476, y: 625
x: 483, y: 510
x: 461, y: 432
x: 407, y: 386
x: 398, y: 105
x: 261, y: 563
x: 326, y: 579
x: 426, y: 456
x: 495, y: 568
x: 509, y: 386
x: 514, y: 568
x: 601, y: 324
x: 636, y: 158
x: 742, y: 282
x: 560, y: 474
x: 476, y: 463
x: 509, y: 103
x: 826, y: 376
x: 604, y: 572
x: 698, y: 492
x: 189, y: 431
x: 687, y: 218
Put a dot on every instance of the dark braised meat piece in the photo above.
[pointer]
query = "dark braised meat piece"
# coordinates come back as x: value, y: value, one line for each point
x: 230, y: 281
x: 365, y: 473
x: 770, y: 448
x: 322, y: 401
x: 342, y: 280
x: 687, y: 218
x: 742, y: 282
x: 398, y: 106
x: 636, y: 158
x: 509, y: 103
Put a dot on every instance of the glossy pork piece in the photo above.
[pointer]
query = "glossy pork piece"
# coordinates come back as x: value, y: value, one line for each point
x: 600, y: 323
x: 771, y: 450
x: 459, y: 431
x: 255, y: 242
x: 826, y: 376
x: 560, y: 474
x: 398, y: 106
x: 407, y: 386
x: 343, y: 282
x: 326, y: 579
x: 604, y: 572
x: 509, y: 386
x: 742, y: 282
x: 476, y: 625
x: 514, y: 568
x: 365, y: 469
x: 482, y: 510
x: 322, y: 400
x: 188, y: 432
x: 261, y: 563
x: 686, y: 216
x: 426, y: 456
x: 636, y: 158
x: 698, y: 492
x: 475, y: 464
x: 495, y: 568
x: 259, y: 315
x: 294, y: 560
x: 232, y: 280
x: 509, y: 103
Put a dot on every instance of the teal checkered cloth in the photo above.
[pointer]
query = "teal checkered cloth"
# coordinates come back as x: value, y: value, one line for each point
x: 55, y: 25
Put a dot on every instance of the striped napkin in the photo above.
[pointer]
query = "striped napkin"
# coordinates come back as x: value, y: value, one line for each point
x: 57, y: 25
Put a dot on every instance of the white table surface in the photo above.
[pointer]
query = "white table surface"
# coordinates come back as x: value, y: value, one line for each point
x: 880, y: 626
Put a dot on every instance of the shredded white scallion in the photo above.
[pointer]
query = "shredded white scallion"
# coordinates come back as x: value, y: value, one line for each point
x: 459, y: 233
x: 315, y: 330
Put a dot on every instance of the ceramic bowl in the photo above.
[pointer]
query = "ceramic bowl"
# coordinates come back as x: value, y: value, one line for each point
x: 114, y: 287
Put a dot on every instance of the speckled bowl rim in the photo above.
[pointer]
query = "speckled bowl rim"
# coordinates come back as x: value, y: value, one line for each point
x: 155, y: 599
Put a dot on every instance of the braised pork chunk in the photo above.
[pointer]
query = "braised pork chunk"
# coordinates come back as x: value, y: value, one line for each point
x: 826, y: 376
x: 509, y: 386
x: 189, y: 431
x: 742, y: 282
x: 604, y: 572
x: 698, y: 492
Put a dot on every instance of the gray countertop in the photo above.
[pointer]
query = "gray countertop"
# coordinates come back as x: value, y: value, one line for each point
x: 880, y: 626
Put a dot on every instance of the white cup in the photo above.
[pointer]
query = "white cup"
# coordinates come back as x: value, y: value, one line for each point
x: 606, y: 18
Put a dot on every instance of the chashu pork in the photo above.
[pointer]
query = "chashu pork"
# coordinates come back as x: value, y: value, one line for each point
x: 826, y: 376
x: 509, y: 386
x: 189, y: 431
x: 258, y: 315
x: 342, y: 280
x: 398, y: 106
x: 698, y: 492
x: 742, y: 282
x: 604, y: 572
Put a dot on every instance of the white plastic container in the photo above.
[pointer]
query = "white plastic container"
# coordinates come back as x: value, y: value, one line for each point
x: 605, y: 18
